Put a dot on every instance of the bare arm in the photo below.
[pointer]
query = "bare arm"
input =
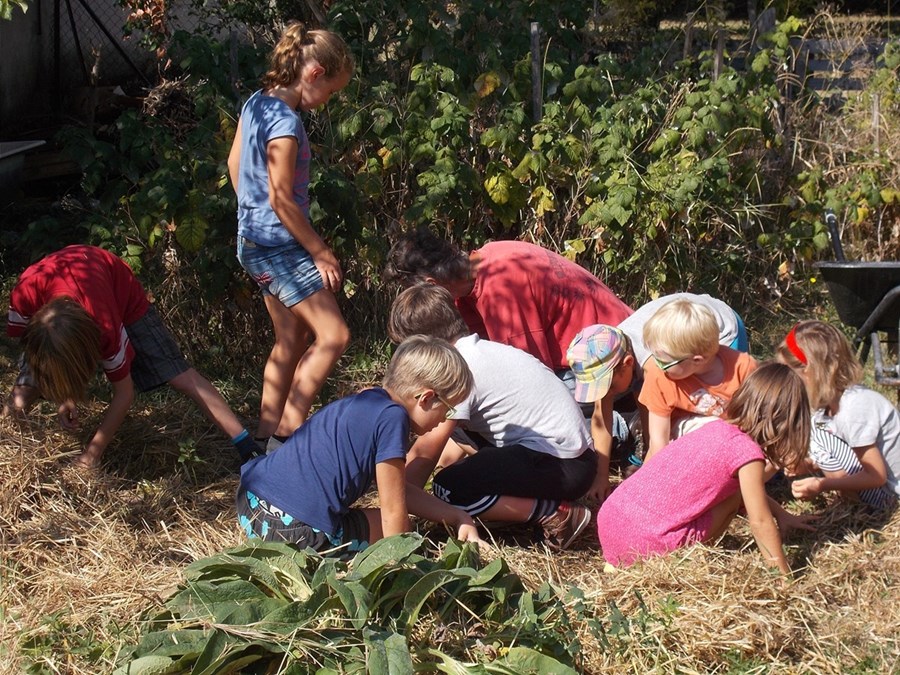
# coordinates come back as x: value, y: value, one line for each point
x: 281, y: 157
x: 122, y: 398
x: 759, y: 515
x: 873, y: 475
x: 659, y: 429
x: 601, y: 434
x: 234, y: 157
x: 391, y: 482
x: 425, y: 453
x: 431, y: 508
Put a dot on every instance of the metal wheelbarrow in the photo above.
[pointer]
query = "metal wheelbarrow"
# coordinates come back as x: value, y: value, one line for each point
x: 867, y: 297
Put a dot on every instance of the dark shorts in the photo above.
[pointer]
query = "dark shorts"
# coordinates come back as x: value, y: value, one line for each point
x: 286, y: 272
x: 475, y: 483
x: 262, y: 520
x: 157, y: 357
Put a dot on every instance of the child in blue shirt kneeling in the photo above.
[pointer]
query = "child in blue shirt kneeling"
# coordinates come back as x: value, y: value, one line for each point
x: 303, y: 492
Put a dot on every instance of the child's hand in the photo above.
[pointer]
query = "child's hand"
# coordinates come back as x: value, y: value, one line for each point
x: 85, y: 461
x: 330, y: 269
x: 469, y: 532
x: 68, y: 416
x: 804, y: 466
x: 787, y: 521
x: 20, y: 400
x: 806, y: 488
x: 600, y: 489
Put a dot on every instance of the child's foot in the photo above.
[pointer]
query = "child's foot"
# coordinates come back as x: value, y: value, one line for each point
x: 563, y: 527
x: 274, y: 443
x: 248, y: 448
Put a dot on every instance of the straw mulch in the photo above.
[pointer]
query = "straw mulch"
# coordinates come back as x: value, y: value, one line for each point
x: 84, y: 554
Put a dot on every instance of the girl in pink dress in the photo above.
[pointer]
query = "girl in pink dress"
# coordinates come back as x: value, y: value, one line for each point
x: 695, y: 485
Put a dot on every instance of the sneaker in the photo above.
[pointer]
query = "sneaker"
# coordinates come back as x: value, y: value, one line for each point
x: 564, y: 526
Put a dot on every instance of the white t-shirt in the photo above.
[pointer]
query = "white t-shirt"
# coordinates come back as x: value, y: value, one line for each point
x: 517, y: 400
x: 633, y: 326
x: 865, y: 417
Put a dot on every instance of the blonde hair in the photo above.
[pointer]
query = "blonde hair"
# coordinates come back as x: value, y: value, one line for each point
x: 62, y: 348
x: 682, y: 328
x: 772, y: 408
x: 423, y: 361
x: 831, y: 365
x: 425, y: 309
x: 299, y: 46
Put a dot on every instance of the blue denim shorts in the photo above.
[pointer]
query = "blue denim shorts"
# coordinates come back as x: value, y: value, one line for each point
x: 286, y: 272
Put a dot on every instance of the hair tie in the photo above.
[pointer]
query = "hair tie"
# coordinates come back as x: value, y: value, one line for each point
x: 791, y: 342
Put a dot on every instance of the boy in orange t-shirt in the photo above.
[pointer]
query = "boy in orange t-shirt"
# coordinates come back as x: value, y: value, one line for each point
x: 691, y: 377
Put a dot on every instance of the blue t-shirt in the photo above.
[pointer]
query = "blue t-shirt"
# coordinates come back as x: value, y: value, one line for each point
x: 264, y: 118
x: 329, y: 462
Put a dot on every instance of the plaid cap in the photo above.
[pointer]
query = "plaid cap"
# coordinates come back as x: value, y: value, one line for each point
x: 593, y: 356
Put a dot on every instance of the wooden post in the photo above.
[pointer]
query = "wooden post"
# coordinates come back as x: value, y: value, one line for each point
x: 720, y: 52
x: 537, y: 95
x: 688, y: 33
x: 876, y: 129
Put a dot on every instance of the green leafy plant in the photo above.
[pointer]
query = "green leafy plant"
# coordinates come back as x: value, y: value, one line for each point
x: 388, y: 610
x: 7, y: 6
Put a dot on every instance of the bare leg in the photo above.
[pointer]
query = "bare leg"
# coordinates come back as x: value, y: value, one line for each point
x: 509, y: 510
x: 321, y: 313
x: 722, y: 515
x: 292, y: 338
x: 453, y: 452
x: 373, y: 516
x: 210, y: 401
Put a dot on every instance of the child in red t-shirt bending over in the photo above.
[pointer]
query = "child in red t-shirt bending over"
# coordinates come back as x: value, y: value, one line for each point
x: 83, y: 306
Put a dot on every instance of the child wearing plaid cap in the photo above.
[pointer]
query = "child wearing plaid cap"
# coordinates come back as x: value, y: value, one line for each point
x: 608, y: 362
x: 603, y: 364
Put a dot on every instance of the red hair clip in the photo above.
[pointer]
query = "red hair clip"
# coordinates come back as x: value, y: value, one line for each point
x: 791, y: 343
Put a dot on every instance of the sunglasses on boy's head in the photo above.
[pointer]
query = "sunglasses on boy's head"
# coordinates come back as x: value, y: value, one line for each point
x: 451, y: 411
x: 665, y: 365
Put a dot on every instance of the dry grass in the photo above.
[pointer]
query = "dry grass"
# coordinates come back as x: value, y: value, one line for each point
x: 84, y: 555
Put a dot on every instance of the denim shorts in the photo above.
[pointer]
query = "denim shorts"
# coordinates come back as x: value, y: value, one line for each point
x: 286, y: 271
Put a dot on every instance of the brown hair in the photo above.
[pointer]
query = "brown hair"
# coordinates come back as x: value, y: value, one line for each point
x: 420, y: 253
x: 299, y: 46
x: 424, y: 361
x: 772, y: 408
x: 62, y: 348
x: 426, y: 309
x: 831, y: 365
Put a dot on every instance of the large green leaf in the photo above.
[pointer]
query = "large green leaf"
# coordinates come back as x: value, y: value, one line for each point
x: 174, y: 643
x: 526, y: 661
x: 386, y: 552
x: 423, y: 589
x: 356, y: 598
x: 149, y: 665
x: 387, y: 654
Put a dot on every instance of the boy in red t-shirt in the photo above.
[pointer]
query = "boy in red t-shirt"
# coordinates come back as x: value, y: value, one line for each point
x: 82, y: 306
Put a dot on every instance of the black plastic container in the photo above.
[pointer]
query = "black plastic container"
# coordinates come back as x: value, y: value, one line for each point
x: 856, y: 288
